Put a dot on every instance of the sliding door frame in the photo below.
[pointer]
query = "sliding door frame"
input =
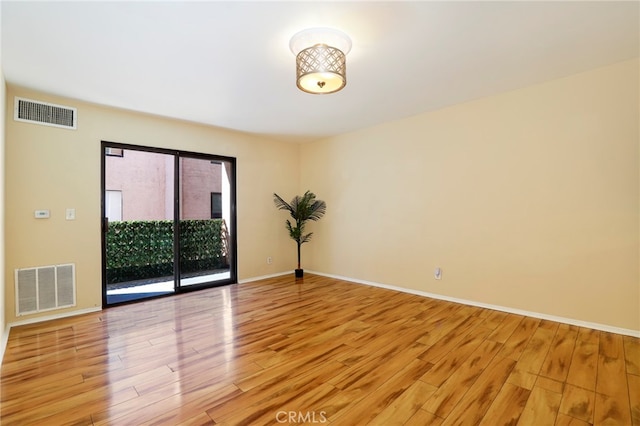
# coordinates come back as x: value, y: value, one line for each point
x: 177, y: 155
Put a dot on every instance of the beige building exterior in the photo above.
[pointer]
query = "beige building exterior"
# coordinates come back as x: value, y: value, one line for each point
x: 140, y: 186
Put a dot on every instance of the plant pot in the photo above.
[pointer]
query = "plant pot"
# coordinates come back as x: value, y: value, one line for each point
x: 299, y: 273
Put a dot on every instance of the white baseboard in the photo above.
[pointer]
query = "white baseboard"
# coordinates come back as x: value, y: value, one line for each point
x: 264, y: 277
x: 54, y: 316
x: 3, y: 342
x: 570, y: 321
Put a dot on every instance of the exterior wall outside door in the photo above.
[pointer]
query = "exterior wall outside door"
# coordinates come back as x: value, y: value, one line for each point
x: 145, y: 180
x: 199, y: 178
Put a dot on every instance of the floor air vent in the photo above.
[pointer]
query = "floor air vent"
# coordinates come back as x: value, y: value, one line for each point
x: 45, y: 288
x: 43, y: 113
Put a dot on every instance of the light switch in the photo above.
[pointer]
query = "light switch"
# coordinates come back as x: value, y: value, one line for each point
x: 70, y: 214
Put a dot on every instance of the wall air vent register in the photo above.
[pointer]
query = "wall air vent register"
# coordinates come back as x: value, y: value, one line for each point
x: 45, y: 288
x: 46, y: 114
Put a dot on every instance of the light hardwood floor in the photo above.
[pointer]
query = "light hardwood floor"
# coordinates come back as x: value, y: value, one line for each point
x: 323, y: 351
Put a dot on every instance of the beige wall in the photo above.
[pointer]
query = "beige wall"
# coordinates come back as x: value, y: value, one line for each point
x: 51, y: 168
x: 527, y: 200
x: 3, y: 97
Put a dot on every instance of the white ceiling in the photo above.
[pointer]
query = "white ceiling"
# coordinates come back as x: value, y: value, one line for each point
x: 228, y: 64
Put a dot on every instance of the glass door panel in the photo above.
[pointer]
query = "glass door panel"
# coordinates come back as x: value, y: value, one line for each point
x: 205, y: 225
x: 138, y: 224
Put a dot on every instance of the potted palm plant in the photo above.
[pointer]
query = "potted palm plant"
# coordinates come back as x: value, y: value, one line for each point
x: 302, y: 209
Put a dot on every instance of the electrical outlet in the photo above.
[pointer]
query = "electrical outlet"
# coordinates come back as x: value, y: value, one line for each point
x: 437, y: 273
x: 269, y: 260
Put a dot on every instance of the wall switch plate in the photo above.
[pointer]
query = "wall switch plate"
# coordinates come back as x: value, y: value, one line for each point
x: 41, y: 214
x: 70, y: 214
x: 437, y: 273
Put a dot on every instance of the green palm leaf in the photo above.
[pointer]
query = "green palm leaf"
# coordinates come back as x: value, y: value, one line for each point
x: 301, y: 208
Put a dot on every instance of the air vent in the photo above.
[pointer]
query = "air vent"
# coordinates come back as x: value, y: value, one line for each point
x: 45, y: 288
x: 31, y: 111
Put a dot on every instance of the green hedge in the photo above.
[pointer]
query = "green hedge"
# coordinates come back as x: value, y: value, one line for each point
x: 144, y: 249
x: 202, y: 245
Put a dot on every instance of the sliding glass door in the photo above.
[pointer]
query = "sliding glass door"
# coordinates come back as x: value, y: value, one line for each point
x: 168, y: 222
x: 205, y: 221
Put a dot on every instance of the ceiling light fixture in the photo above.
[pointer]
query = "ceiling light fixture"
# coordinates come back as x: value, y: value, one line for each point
x: 321, y: 65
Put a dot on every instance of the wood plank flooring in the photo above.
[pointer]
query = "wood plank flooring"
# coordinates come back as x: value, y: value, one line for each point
x: 315, y: 351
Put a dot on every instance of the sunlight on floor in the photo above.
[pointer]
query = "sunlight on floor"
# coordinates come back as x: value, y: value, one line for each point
x: 167, y: 286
